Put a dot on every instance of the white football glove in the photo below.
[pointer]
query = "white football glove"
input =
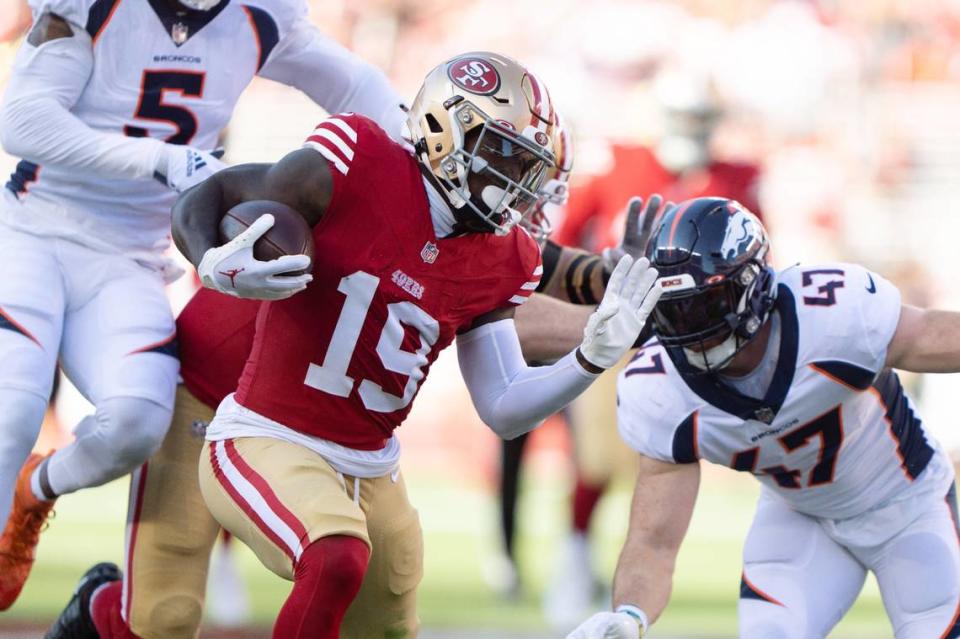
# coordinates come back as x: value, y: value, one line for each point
x: 181, y: 167
x: 608, y: 625
x: 627, y: 303
x: 233, y: 270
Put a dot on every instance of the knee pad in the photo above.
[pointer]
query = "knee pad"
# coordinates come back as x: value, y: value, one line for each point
x: 764, y: 620
x: 928, y: 554
x: 342, y: 561
x: 173, y: 617
x: 134, y: 428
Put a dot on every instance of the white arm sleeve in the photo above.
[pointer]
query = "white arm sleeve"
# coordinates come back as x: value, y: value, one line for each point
x: 36, y: 123
x: 511, y: 397
x: 336, y: 79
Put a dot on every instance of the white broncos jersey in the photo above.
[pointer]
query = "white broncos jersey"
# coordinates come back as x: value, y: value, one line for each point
x: 156, y: 74
x: 835, y: 434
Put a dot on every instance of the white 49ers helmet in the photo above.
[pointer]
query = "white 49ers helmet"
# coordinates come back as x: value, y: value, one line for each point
x: 483, y: 130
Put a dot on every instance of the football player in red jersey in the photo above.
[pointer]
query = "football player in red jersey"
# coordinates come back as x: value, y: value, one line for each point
x: 162, y: 596
x: 412, y: 251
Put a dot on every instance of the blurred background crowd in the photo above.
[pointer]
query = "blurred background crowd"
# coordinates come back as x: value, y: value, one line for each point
x: 836, y: 121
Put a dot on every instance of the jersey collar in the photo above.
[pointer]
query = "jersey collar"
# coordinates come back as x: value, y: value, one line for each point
x: 440, y: 214
x: 187, y: 23
x: 727, y: 399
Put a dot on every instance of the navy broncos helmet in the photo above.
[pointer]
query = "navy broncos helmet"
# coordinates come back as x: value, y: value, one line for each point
x: 717, y: 286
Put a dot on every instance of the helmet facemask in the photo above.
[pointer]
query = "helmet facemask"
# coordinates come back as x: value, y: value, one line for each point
x: 552, y: 194
x: 555, y: 190
x: 493, y: 175
x: 200, y: 5
x: 713, y: 323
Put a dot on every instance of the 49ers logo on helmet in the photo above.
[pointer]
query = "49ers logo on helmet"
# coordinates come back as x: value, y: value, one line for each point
x: 475, y: 75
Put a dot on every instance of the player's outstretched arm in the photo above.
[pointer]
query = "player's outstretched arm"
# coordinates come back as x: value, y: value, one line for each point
x: 335, y: 78
x: 663, y: 501
x: 513, y: 398
x: 926, y: 341
x: 50, y: 74
x: 549, y: 328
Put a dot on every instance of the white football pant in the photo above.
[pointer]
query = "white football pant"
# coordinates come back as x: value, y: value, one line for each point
x: 798, y: 581
x: 107, y: 320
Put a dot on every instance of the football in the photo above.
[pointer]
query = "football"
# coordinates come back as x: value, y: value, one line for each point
x: 290, y: 234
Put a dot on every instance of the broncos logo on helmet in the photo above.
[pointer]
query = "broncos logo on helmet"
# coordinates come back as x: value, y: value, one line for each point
x: 718, y: 288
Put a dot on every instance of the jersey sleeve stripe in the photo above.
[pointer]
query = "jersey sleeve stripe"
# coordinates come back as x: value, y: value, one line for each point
x: 538, y: 271
x: 853, y: 377
x: 685, y: 447
x: 531, y: 285
x: 518, y: 299
x: 329, y: 154
x: 343, y: 126
x: 99, y: 17
x: 335, y: 138
x: 265, y: 30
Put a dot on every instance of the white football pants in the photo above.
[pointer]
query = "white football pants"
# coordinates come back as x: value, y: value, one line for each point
x: 798, y: 582
x: 107, y: 320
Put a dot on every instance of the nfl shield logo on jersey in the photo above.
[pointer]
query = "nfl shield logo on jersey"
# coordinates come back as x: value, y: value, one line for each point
x: 179, y: 32
x: 429, y: 253
x: 764, y: 415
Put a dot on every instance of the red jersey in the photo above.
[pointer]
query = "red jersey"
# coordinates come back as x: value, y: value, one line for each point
x: 594, y: 215
x: 344, y: 359
x: 215, y: 334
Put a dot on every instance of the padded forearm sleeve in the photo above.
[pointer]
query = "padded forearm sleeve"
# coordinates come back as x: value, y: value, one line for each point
x: 511, y: 397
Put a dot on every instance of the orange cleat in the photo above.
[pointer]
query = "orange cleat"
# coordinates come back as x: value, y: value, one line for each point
x: 18, y: 544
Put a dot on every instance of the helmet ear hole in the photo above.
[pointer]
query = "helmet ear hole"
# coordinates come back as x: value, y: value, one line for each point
x: 433, y: 124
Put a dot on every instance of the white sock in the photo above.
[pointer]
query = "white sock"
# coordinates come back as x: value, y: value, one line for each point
x: 36, y: 486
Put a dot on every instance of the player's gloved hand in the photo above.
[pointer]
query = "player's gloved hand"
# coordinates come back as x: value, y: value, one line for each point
x: 636, y: 231
x: 233, y: 270
x: 181, y: 167
x: 627, y: 303
x: 608, y: 625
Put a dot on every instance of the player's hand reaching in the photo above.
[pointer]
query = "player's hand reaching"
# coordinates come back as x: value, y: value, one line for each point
x: 181, y: 167
x: 232, y: 268
x: 627, y: 303
x: 608, y: 625
x: 636, y: 231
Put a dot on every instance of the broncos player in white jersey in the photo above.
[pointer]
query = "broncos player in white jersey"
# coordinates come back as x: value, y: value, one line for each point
x: 104, y: 97
x: 787, y: 375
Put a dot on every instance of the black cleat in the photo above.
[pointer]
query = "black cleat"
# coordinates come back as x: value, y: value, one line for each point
x: 75, y: 621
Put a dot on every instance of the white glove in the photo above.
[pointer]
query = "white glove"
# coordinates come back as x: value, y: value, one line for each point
x: 608, y: 625
x: 233, y: 270
x: 181, y: 167
x: 629, y: 299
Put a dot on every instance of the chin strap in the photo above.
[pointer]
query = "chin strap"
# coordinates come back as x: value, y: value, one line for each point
x: 714, y: 358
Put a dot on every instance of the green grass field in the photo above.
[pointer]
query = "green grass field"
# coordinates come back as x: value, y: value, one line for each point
x: 459, y: 524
